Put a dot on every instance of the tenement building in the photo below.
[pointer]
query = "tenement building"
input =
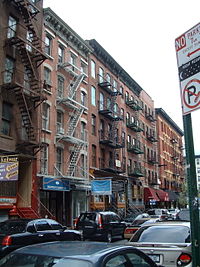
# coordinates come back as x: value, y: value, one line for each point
x: 21, y: 96
x: 170, y: 150
x: 77, y: 132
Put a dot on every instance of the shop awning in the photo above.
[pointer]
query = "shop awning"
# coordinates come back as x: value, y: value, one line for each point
x: 150, y: 194
x: 172, y: 195
x: 163, y: 196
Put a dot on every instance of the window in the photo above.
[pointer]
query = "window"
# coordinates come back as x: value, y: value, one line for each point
x: 108, y: 78
x: 45, y: 116
x: 44, y: 160
x: 12, y: 25
x: 6, y: 118
x: 60, y: 86
x: 48, y: 45
x: 93, y: 124
x: 94, y: 156
x: 122, y: 113
x: 60, y: 128
x: 84, y: 68
x: 59, y: 160
x: 9, y: 69
x: 126, y: 96
x: 114, y: 85
x: 121, y: 90
x: 93, y: 95
x: 83, y: 98
x: 73, y: 62
x: 29, y: 38
x: 101, y: 75
x: 83, y: 161
x: 47, y: 76
x: 83, y: 130
x: 60, y: 54
x: 93, y: 69
x: 101, y: 101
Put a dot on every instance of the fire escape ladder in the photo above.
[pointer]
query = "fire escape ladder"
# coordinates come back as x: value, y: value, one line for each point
x: 26, y: 118
x: 76, y: 85
x: 74, y: 158
x: 73, y: 121
x: 28, y: 11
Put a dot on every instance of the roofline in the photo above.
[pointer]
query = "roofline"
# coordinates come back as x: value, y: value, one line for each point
x: 160, y: 111
x: 114, y: 67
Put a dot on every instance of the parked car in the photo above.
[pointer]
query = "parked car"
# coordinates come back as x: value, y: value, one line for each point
x: 183, y: 215
x: 16, y: 233
x: 75, y: 253
x: 104, y: 225
x: 167, y: 243
x: 131, y: 229
x: 162, y: 214
x: 173, y: 213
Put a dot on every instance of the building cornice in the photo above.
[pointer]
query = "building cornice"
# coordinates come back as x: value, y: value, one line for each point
x: 61, y: 29
x: 160, y: 111
x: 114, y: 67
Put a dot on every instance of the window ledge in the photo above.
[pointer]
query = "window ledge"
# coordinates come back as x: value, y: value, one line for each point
x: 6, y: 136
x: 46, y: 130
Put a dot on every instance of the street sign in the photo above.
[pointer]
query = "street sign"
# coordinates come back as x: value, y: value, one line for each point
x: 188, y: 60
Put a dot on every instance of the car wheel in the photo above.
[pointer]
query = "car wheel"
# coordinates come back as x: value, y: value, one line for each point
x: 109, y: 237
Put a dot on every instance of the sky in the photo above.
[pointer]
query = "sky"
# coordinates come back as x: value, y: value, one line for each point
x: 140, y: 35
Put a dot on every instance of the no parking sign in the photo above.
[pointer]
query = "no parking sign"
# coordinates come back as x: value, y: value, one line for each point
x: 188, y: 59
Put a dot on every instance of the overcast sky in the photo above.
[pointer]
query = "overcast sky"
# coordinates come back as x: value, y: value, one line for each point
x: 140, y: 36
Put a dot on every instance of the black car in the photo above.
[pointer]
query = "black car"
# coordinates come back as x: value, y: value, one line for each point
x: 17, y: 233
x: 75, y: 253
x: 104, y: 225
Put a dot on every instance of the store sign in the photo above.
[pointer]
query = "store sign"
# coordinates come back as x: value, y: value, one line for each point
x: 9, y: 166
x: 101, y: 187
x: 55, y: 184
x: 7, y: 200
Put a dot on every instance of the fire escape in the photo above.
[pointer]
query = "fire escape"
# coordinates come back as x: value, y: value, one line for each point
x: 25, y: 83
x: 175, y: 159
x: 110, y: 137
x: 77, y: 138
x: 134, y: 124
x: 151, y: 153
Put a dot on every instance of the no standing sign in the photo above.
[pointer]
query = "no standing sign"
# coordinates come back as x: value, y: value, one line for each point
x: 188, y: 60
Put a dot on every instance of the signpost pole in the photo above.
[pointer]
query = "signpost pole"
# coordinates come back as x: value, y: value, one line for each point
x: 192, y: 190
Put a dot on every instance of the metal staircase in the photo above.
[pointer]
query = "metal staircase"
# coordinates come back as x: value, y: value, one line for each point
x: 74, y: 159
x: 73, y: 120
x: 30, y: 51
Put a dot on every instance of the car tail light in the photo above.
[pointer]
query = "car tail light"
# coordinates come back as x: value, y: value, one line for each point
x: 184, y: 259
x: 100, y: 222
x: 76, y: 222
x: 130, y: 231
x: 7, y: 241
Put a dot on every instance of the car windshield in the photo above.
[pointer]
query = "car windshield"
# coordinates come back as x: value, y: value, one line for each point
x: 28, y: 260
x: 162, y: 234
x: 12, y: 227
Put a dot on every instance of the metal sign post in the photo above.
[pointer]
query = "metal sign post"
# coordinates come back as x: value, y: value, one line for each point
x: 188, y: 59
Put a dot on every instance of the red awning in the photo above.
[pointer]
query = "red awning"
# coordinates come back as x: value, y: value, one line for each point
x: 150, y: 194
x: 163, y: 196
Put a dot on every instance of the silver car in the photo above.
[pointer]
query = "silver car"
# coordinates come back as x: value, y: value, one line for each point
x: 167, y: 243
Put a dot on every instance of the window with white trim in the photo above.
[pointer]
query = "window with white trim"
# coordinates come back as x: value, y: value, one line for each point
x: 60, y: 90
x: 45, y: 116
x: 59, y: 123
x: 93, y: 69
x: 59, y: 160
x: 48, y: 45
x: 93, y: 95
x: 44, y: 160
x: 12, y: 26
